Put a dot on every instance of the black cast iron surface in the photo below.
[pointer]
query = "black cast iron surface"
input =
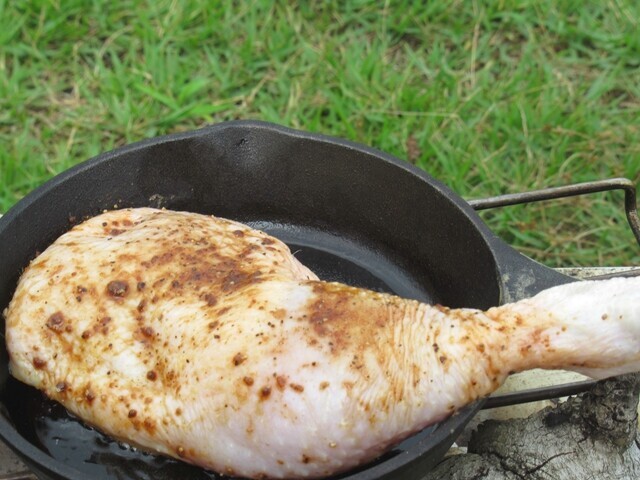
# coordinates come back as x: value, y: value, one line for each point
x: 349, y: 212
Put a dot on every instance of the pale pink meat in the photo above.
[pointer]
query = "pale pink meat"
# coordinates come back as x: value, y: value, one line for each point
x: 202, y: 339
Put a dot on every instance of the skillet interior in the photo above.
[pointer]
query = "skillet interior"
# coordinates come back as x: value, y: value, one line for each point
x: 350, y: 213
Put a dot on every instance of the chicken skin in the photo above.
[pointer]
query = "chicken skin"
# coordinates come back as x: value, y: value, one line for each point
x: 207, y: 341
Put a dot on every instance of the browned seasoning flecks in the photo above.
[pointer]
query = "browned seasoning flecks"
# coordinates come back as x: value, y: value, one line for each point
x: 265, y: 392
x: 103, y: 325
x: 147, y: 331
x: 117, y: 288
x: 237, y: 279
x: 239, y: 358
x: 56, y: 322
x: 89, y: 396
x: 142, y: 305
x: 210, y: 299
x: 149, y: 425
x: 80, y: 291
x: 38, y: 363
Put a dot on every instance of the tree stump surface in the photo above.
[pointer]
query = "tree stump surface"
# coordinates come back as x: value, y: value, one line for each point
x: 592, y: 436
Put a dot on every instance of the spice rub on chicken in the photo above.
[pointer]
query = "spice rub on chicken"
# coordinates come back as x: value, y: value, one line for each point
x: 202, y: 339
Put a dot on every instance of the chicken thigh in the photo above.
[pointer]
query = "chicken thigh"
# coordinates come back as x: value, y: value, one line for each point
x: 202, y: 339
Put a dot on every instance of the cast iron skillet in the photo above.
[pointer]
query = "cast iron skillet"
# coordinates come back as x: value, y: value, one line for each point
x: 350, y: 213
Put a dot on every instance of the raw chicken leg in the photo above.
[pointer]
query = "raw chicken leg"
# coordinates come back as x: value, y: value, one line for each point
x: 205, y: 340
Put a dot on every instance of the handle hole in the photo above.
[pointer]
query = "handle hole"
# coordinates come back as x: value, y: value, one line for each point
x: 587, y: 230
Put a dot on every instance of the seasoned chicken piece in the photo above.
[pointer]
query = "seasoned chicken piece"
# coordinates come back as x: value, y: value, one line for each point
x: 207, y: 341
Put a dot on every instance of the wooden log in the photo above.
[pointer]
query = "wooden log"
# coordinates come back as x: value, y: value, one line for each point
x: 591, y: 436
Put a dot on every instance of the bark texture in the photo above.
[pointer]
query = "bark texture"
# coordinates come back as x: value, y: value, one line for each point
x: 591, y: 436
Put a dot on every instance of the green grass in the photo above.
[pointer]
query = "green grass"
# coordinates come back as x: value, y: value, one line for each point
x: 489, y: 97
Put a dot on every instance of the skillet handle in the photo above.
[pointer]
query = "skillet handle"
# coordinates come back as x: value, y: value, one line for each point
x: 573, y: 190
x: 537, y: 394
x: 545, y: 393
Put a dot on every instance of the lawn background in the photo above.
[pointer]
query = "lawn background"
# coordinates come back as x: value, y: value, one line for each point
x: 489, y: 97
